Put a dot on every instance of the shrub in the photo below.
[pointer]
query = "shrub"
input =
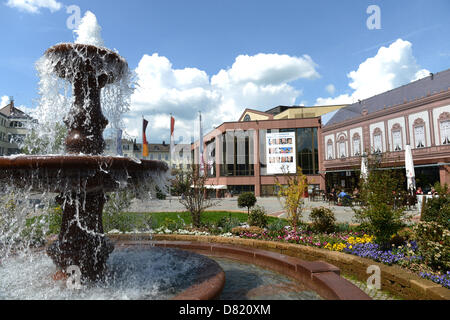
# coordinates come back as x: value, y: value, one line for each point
x: 159, y: 194
x: 437, y: 209
x: 277, y: 225
x: 113, y: 216
x: 257, y: 217
x: 172, y: 224
x: 226, y: 224
x: 323, y: 220
x: 252, y: 230
x: 433, y: 241
x: 403, y: 236
x: 247, y: 200
x: 380, y: 212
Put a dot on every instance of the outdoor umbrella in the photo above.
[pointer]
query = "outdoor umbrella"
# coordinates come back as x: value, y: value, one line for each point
x: 364, y: 171
x: 409, y: 165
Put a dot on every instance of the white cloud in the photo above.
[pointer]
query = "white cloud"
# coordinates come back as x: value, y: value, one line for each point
x: 4, y: 101
x: 390, y: 68
x: 33, y: 6
x: 259, y: 81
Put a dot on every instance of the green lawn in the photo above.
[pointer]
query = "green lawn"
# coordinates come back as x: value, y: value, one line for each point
x: 212, y: 217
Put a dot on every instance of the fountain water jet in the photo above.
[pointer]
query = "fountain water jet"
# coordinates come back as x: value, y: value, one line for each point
x: 83, y: 176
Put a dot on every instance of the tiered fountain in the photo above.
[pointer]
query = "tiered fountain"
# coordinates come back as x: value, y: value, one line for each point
x: 83, y: 176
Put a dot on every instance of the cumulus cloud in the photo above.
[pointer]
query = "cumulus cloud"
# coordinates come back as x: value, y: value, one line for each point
x: 4, y: 101
x: 34, y: 6
x: 258, y: 81
x: 391, y: 67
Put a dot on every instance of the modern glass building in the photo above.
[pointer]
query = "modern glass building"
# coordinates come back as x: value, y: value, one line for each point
x: 252, y: 154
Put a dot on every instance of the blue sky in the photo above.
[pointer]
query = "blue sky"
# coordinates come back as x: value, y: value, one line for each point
x: 304, y: 48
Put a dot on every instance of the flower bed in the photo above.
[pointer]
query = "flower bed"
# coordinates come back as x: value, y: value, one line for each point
x: 359, y: 244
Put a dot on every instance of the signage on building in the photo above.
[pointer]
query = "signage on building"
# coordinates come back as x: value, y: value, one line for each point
x: 280, y: 152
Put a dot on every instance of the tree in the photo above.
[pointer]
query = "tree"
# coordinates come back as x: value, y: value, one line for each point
x: 193, y: 193
x: 382, y: 207
x: 247, y: 200
x: 45, y: 140
x: 293, y: 192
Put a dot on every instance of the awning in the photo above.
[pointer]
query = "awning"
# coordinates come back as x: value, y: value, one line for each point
x: 213, y: 187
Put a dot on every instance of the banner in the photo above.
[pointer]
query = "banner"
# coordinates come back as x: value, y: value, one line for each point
x: 280, y: 152
x: 144, y: 138
x: 119, y: 142
x: 200, y: 149
x: 172, y: 140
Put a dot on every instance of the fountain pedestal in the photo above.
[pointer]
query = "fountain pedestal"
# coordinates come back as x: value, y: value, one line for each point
x: 81, y: 241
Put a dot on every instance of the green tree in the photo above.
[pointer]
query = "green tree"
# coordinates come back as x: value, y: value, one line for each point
x: 382, y: 211
x: 247, y: 200
x: 292, y: 192
x: 45, y: 141
x: 193, y: 193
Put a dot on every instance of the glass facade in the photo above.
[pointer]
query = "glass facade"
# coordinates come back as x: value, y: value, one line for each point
x: 236, y: 190
x: 237, y: 156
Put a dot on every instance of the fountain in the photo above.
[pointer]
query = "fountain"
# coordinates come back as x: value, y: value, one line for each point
x: 83, y: 176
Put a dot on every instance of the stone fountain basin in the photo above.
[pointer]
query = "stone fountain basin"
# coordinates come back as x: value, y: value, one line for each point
x: 94, y: 173
x: 321, y: 277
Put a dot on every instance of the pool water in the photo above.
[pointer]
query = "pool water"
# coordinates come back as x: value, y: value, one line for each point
x: 249, y: 282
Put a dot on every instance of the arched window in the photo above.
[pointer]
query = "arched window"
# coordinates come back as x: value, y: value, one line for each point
x: 444, y: 128
x: 419, y: 133
x: 397, y: 138
x: 342, y: 147
x: 330, y: 150
x: 377, y: 140
x: 247, y: 118
x: 356, y: 145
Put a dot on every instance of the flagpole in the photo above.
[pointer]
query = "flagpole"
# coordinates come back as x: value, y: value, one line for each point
x: 170, y: 157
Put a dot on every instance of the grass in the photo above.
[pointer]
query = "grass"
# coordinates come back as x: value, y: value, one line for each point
x: 130, y: 221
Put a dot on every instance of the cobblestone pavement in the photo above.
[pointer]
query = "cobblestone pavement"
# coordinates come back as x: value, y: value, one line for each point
x: 373, y: 293
x: 272, y: 205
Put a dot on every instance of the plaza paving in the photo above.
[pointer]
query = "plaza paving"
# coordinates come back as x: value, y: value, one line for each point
x: 272, y: 205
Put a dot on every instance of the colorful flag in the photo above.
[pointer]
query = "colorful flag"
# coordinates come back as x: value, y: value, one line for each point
x: 144, y: 139
x: 172, y: 141
x: 202, y: 163
x: 119, y: 142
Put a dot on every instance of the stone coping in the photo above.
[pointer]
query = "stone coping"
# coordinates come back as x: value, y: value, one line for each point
x: 318, y: 276
x: 394, y: 279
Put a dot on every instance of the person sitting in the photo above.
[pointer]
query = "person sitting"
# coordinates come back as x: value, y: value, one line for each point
x: 344, y: 198
x: 419, y: 190
x: 332, y: 196
x: 432, y: 192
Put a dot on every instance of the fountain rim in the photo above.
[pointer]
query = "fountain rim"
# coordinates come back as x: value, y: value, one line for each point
x: 81, y: 161
x: 70, y: 46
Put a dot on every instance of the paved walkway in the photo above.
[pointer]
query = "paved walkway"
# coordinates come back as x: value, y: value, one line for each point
x: 272, y: 206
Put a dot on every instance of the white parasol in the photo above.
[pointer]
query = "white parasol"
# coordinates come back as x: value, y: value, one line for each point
x: 409, y: 165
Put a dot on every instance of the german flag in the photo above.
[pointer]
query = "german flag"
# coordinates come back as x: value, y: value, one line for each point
x: 144, y: 138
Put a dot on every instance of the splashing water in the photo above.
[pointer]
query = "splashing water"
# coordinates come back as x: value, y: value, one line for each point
x: 89, y: 31
x: 56, y: 93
